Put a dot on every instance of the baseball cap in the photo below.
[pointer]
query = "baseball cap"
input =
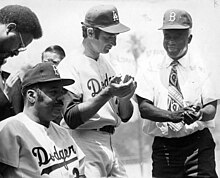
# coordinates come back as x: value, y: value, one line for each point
x: 105, y: 17
x: 176, y: 19
x: 43, y: 72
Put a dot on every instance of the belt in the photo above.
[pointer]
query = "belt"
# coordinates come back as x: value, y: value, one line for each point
x: 108, y: 128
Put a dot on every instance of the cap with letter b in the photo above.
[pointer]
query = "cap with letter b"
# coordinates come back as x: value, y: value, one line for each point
x: 176, y: 19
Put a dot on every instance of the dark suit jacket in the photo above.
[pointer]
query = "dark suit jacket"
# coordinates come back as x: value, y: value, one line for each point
x: 8, y: 109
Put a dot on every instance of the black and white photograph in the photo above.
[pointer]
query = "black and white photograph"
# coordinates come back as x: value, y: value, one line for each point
x: 109, y: 88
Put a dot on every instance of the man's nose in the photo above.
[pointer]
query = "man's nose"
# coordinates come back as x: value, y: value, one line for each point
x: 113, y: 41
x: 171, y: 41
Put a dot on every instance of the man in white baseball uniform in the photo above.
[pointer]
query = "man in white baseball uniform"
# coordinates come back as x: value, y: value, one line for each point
x: 33, y: 146
x: 100, y: 99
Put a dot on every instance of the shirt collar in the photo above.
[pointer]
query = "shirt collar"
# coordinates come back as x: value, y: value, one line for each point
x: 184, y: 61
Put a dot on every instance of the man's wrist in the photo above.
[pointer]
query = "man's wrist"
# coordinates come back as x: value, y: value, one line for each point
x: 108, y: 92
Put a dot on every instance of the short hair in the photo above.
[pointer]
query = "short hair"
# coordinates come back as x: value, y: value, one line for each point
x: 96, y: 31
x: 55, y: 49
x: 25, y: 19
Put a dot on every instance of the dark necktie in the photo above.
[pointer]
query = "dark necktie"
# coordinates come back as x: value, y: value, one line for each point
x: 175, y: 97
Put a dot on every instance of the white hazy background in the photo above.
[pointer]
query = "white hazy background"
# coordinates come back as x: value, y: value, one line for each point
x: 60, y: 20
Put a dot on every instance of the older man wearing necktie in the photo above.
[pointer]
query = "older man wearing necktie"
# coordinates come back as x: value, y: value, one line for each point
x: 178, y: 105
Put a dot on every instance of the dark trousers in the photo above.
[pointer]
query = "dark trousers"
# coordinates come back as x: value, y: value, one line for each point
x: 184, y: 157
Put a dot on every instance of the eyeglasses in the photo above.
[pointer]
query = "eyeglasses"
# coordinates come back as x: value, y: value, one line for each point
x: 22, y: 47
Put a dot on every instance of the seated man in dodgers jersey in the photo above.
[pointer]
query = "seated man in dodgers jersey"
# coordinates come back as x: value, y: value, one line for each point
x: 33, y: 146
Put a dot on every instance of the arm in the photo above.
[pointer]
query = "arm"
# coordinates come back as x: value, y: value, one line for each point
x: 83, y: 111
x: 124, y: 90
x: 125, y: 109
x: 153, y: 113
x: 6, y: 109
x: 194, y: 113
x: 209, y: 111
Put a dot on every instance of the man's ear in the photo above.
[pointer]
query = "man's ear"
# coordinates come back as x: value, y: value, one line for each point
x: 190, y: 38
x: 90, y: 32
x: 31, y: 95
x: 11, y: 27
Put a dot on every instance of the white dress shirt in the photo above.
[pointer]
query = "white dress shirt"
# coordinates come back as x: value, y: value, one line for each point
x: 153, y: 81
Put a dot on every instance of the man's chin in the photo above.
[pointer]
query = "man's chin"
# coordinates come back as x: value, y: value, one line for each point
x: 172, y: 54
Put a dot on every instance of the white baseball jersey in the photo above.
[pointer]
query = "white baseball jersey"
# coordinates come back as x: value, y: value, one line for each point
x: 34, y: 151
x: 91, y: 77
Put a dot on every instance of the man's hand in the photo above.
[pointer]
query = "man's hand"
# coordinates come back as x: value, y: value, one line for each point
x: 123, y: 88
x: 10, y: 90
x: 13, y: 82
x: 192, y: 114
x: 177, y: 116
x: 13, y: 91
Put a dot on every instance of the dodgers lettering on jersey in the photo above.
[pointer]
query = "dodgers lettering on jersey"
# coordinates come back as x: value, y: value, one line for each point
x: 91, y: 77
x: 96, y: 87
x: 45, y: 158
x: 37, y: 151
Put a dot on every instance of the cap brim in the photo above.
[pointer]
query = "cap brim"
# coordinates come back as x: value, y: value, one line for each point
x: 63, y: 81
x: 169, y: 27
x: 66, y: 82
x: 118, y: 28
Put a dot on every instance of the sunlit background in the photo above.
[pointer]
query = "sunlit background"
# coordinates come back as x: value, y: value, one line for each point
x: 61, y: 19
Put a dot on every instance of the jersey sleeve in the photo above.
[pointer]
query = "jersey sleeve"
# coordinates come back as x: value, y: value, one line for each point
x: 9, y: 144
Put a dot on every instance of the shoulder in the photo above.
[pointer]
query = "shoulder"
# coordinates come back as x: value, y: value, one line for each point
x: 108, y: 59
x: 196, y: 64
x: 71, y: 60
x: 13, y: 123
